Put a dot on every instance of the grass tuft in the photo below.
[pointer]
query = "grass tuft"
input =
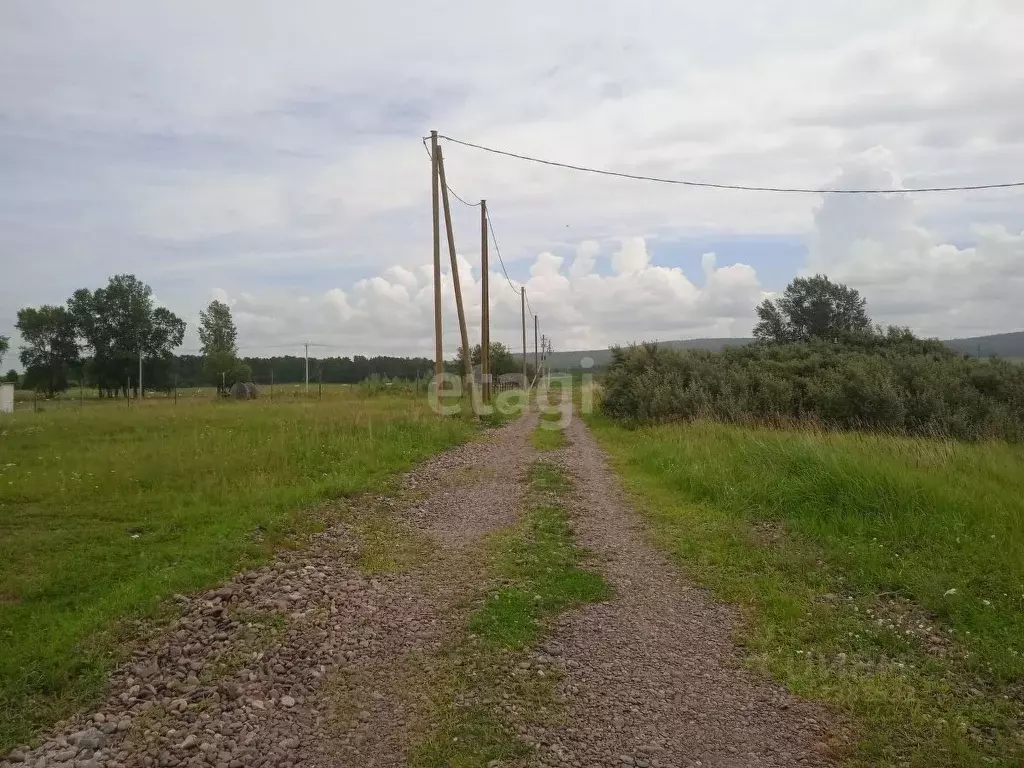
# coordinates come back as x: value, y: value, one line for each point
x: 548, y: 435
x: 538, y: 570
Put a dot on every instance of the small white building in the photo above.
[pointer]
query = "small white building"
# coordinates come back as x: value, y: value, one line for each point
x: 6, y: 398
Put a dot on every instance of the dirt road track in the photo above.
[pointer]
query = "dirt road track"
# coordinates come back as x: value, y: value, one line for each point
x: 651, y: 677
x: 311, y: 661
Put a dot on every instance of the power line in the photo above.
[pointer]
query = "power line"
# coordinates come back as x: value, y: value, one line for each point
x: 741, y: 187
x: 497, y: 250
x: 490, y: 227
x: 447, y: 186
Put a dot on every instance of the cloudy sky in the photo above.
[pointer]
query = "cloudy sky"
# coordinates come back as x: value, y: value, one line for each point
x: 269, y: 154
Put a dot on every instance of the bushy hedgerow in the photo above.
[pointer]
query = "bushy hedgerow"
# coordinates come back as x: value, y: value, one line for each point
x: 887, y: 381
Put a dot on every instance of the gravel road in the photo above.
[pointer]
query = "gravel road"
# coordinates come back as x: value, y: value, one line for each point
x: 312, y: 662
x: 302, y: 662
x: 651, y: 677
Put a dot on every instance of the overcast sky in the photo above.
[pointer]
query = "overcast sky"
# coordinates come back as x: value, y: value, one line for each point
x: 269, y: 154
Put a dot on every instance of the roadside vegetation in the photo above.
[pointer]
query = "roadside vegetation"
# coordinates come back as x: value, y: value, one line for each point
x: 548, y: 435
x: 537, y: 571
x: 820, y: 360
x: 857, y: 493
x: 884, y: 575
x: 105, y: 511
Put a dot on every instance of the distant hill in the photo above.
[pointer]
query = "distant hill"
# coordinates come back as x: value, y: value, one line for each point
x: 602, y: 357
x: 1008, y: 345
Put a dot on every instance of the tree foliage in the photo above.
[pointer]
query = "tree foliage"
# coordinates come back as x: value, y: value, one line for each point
x: 119, y: 323
x: 812, y: 308
x: 4, y: 346
x: 887, y: 381
x: 501, y: 360
x: 49, y: 348
x: 218, y: 336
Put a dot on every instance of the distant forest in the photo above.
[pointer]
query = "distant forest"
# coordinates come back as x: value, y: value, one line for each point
x: 187, y: 370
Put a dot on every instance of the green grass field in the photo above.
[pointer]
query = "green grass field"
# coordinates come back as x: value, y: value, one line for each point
x: 27, y: 400
x: 883, y: 575
x: 105, y: 510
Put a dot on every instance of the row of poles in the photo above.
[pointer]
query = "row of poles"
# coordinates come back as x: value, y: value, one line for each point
x: 439, y: 193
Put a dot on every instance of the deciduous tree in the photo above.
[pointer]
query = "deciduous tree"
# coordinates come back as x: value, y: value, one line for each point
x: 812, y: 308
x: 218, y: 335
x: 50, y: 347
x: 118, y: 323
x: 501, y: 359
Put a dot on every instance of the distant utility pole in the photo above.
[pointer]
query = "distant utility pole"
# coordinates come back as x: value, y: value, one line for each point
x: 485, y: 312
x: 522, y: 303
x: 537, y: 353
x: 438, y: 347
x: 307, y: 368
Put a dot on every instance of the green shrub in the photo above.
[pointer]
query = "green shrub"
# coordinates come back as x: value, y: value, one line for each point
x: 887, y: 381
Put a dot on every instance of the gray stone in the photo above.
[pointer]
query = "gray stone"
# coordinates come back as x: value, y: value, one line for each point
x: 146, y: 671
x: 90, y: 738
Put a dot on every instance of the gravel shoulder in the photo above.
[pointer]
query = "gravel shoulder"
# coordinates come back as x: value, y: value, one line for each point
x: 308, y: 661
x: 651, y: 678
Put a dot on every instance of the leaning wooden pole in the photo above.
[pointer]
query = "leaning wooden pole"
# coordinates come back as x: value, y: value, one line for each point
x: 522, y: 302
x: 438, y: 347
x: 467, y: 357
x: 485, y: 309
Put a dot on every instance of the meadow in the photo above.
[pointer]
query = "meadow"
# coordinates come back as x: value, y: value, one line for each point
x: 881, y: 574
x: 110, y: 508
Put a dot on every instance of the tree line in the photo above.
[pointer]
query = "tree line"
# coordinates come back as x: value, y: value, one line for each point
x: 104, y: 335
x: 104, y: 338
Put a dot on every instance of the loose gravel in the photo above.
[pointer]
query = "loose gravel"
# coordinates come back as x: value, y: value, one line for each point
x: 311, y: 662
x: 303, y: 662
x: 651, y: 677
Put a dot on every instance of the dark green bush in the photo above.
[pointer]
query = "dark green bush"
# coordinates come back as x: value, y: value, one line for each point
x: 887, y: 381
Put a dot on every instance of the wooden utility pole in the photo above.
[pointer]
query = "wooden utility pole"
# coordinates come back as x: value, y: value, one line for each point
x: 438, y: 347
x: 307, y: 369
x: 536, y: 351
x: 485, y: 309
x: 522, y: 302
x: 467, y: 357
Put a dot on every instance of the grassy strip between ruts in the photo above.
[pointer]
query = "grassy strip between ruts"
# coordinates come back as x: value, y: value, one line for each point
x: 549, y: 435
x: 881, y: 574
x: 105, y: 511
x: 537, y: 571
